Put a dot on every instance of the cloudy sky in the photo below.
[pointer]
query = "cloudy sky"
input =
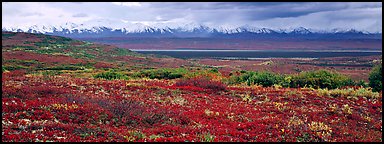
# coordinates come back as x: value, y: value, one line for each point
x: 364, y: 16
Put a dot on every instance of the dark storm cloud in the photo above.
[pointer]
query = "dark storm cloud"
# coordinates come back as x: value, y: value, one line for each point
x: 265, y: 10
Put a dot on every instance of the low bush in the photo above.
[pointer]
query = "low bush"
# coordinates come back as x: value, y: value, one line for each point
x: 362, y: 83
x: 265, y: 79
x: 202, y: 82
x: 350, y: 93
x: 375, y: 78
x: 313, y: 79
x: 259, y: 78
x: 321, y: 79
x: 160, y: 74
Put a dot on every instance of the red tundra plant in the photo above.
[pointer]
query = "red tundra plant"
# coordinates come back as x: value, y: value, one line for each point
x: 99, y: 65
x: 71, y: 109
x: 13, y: 75
x: 202, y: 82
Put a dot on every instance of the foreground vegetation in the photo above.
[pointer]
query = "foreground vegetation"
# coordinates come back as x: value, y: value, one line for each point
x: 38, y: 107
x: 130, y: 97
x: 310, y: 79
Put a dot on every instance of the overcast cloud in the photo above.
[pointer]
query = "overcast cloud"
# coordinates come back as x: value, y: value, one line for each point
x: 317, y: 15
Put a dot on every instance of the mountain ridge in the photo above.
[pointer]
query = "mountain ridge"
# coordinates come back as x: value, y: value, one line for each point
x: 186, y: 30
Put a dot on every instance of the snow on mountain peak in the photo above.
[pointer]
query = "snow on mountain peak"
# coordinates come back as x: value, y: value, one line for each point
x: 301, y: 30
x: 126, y: 27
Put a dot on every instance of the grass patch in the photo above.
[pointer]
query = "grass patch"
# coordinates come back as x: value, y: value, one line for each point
x: 350, y: 93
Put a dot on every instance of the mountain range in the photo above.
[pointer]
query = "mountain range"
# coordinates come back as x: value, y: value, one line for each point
x: 188, y: 30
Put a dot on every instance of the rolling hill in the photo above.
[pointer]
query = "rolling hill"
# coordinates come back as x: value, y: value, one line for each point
x: 197, y: 36
x: 39, y: 51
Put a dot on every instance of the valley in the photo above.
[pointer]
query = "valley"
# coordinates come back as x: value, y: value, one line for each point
x: 148, y: 43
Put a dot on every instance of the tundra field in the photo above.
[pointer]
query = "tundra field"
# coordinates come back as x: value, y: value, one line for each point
x: 56, y: 89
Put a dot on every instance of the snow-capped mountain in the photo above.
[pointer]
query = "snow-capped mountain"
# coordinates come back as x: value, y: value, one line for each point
x: 125, y: 28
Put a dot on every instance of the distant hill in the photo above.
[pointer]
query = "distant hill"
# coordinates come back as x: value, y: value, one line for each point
x: 191, y: 30
x: 197, y: 36
x: 40, y: 52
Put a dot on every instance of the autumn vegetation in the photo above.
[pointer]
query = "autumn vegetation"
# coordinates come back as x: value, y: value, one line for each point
x: 56, y: 89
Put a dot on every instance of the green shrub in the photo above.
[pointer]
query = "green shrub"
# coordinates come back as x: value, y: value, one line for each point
x: 313, y: 79
x: 265, y: 79
x: 362, y: 83
x: 321, y: 79
x: 161, y: 73
x: 214, y: 70
x: 111, y: 75
x: 375, y: 79
x: 260, y: 78
x: 237, y: 79
x: 286, y: 81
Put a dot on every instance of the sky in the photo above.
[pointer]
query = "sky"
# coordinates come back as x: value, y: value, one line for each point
x: 363, y: 16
